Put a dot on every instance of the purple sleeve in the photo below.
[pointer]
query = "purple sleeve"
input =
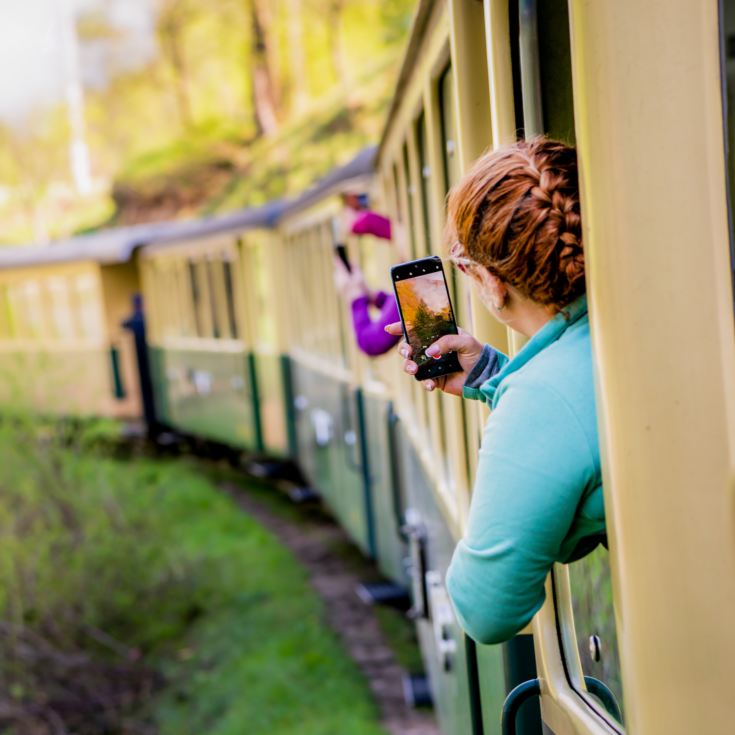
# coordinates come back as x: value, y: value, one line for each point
x: 372, y: 223
x: 371, y: 336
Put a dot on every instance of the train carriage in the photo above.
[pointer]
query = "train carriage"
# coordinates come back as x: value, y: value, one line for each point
x: 210, y: 368
x: 62, y: 348
x: 343, y: 414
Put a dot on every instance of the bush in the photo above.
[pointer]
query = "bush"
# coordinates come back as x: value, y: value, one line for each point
x: 86, y: 586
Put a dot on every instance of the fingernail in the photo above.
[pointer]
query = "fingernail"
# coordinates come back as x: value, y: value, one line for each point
x: 404, y: 352
x: 432, y: 351
x: 411, y: 368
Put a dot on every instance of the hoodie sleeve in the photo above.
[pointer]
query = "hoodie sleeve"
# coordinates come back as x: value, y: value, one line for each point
x: 534, y: 468
x: 372, y: 223
x: 490, y: 363
x: 371, y: 336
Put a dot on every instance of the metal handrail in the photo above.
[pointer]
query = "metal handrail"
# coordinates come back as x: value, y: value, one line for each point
x: 532, y: 688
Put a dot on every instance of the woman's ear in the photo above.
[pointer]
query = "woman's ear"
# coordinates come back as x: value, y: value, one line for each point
x: 495, y: 289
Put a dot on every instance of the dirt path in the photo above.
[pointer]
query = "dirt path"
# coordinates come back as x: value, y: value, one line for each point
x: 313, y: 542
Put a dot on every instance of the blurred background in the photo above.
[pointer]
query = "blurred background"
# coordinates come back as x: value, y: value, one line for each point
x: 122, y: 111
x: 135, y: 597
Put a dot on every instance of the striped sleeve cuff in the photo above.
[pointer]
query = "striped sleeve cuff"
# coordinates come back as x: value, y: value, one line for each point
x: 483, y: 370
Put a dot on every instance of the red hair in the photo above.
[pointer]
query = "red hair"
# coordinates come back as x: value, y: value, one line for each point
x: 516, y: 212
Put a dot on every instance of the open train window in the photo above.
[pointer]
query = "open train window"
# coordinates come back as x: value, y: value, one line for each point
x: 449, y: 129
x: 212, y: 289
x: 409, y: 193
x: 424, y: 174
x: 230, y: 298
x: 555, y: 69
x: 196, y: 298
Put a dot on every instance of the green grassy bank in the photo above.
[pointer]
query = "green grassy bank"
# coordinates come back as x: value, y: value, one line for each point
x: 136, y: 598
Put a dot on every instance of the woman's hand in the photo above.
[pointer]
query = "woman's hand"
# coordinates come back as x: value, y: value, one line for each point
x: 350, y: 284
x: 468, y: 350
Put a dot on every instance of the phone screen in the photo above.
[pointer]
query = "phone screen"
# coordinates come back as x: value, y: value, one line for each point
x: 427, y: 315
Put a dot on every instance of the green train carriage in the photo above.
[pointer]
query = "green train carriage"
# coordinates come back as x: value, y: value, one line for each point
x: 208, y: 367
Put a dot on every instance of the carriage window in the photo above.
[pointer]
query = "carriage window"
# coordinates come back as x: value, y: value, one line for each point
x: 439, y: 399
x: 409, y: 201
x: 230, y: 298
x: 555, y: 68
x: 61, y: 314
x: 214, y: 310
x: 22, y: 310
x: 594, y: 620
x: 196, y: 298
x: 451, y: 176
x: 449, y: 129
x: 6, y: 325
x: 88, y: 307
x: 424, y: 181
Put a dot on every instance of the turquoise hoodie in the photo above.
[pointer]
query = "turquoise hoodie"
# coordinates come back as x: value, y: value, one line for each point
x: 538, y: 492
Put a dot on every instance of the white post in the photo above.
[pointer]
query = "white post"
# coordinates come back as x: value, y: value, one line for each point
x: 78, y: 150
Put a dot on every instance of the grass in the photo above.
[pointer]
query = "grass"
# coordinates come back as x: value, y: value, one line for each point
x: 261, y: 657
x: 163, y: 568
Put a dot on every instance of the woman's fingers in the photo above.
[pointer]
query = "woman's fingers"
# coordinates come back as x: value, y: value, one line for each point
x: 410, y: 367
x: 461, y: 343
x: 395, y: 328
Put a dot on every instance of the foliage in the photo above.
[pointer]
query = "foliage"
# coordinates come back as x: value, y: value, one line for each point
x: 122, y: 579
x: 178, y: 121
x: 594, y: 615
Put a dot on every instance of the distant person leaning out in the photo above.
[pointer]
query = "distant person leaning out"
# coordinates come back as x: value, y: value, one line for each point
x: 514, y: 230
x: 369, y: 328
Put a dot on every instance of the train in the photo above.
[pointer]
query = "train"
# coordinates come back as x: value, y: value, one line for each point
x: 246, y: 343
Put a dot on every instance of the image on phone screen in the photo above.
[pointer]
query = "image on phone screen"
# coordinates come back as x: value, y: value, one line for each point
x: 427, y: 312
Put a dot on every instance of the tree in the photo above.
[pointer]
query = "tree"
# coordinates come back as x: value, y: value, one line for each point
x: 335, y: 9
x: 173, y: 17
x: 297, y: 58
x: 263, y: 72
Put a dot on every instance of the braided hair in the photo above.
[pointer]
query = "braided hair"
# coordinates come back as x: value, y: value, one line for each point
x: 516, y: 212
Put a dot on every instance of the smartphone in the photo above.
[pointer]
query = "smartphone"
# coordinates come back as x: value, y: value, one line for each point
x: 426, y: 313
x: 341, y: 250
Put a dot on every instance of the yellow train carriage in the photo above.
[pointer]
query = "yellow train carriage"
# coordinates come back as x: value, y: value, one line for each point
x: 342, y: 415
x: 643, y: 91
x: 62, y: 348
